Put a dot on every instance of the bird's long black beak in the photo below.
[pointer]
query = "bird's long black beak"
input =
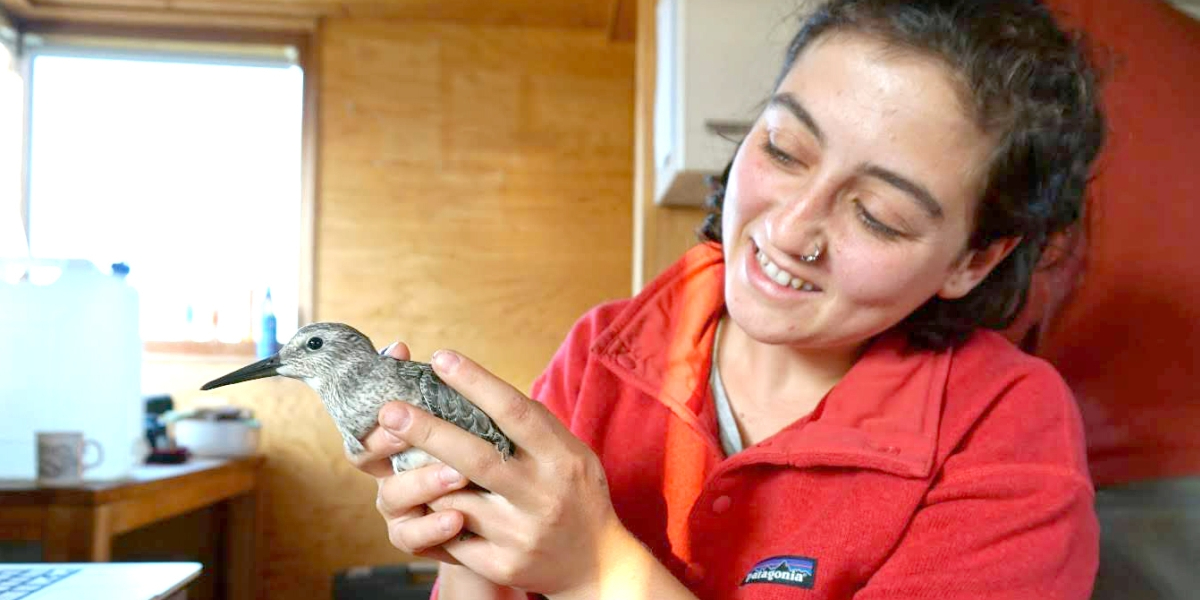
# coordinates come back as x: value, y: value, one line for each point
x: 267, y: 367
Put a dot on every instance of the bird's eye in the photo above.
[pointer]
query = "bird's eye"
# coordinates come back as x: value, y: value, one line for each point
x: 314, y: 343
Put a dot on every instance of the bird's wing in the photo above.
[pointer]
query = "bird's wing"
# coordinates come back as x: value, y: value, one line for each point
x: 439, y: 402
x: 445, y: 403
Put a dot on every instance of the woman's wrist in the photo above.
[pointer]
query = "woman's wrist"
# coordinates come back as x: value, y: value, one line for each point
x: 627, y: 570
x: 456, y: 582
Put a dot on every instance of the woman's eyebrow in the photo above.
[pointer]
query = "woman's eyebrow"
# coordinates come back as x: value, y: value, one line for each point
x: 788, y: 101
x: 915, y: 190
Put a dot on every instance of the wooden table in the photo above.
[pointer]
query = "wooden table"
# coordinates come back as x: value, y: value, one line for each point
x: 78, y: 523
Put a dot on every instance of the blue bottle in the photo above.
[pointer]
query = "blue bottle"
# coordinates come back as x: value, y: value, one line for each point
x: 268, y: 342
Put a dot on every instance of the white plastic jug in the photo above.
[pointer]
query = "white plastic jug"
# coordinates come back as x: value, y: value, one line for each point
x: 70, y: 360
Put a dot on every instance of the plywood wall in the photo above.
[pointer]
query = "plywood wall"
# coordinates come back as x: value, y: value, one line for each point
x: 475, y: 193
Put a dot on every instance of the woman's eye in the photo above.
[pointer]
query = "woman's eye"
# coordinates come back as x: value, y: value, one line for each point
x: 777, y: 154
x: 775, y: 150
x: 875, y: 225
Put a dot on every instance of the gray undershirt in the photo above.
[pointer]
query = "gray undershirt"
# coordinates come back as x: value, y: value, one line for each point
x: 731, y: 438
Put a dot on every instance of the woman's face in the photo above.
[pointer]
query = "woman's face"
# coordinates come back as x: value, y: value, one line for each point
x: 867, y: 152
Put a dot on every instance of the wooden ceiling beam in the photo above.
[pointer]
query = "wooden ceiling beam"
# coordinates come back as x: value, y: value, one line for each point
x: 192, y: 15
x: 615, y: 18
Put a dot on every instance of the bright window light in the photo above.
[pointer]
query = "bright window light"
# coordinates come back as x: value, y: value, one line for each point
x: 12, y: 231
x: 187, y: 171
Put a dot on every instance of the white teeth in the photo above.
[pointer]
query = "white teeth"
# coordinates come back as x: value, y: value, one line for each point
x: 782, y: 277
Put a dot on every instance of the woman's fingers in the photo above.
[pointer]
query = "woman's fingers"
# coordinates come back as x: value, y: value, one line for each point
x: 483, y: 512
x: 399, y: 494
x: 397, y: 350
x: 402, y: 500
x: 418, y: 534
x: 378, y: 445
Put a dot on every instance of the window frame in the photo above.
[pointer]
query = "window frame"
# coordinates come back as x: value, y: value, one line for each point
x: 203, y: 39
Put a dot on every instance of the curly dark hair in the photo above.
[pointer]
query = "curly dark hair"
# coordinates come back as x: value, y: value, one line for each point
x: 1027, y: 81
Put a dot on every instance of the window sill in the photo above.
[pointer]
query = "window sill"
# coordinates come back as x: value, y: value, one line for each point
x: 200, y: 351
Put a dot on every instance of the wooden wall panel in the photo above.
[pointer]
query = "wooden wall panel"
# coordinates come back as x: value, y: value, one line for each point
x: 481, y: 183
x: 475, y: 193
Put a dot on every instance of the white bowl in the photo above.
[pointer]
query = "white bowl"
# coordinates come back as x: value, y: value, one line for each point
x: 217, y: 438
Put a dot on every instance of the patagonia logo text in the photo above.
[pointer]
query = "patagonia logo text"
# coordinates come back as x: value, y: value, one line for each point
x: 796, y: 571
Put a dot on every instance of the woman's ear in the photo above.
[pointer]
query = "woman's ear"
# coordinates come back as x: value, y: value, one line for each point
x: 974, y: 266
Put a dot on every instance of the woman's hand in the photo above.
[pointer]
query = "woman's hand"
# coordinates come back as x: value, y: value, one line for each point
x: 546, y: 523
x: 403, y: 497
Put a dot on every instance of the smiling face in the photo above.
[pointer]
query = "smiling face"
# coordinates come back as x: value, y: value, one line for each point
x: 867, y: 153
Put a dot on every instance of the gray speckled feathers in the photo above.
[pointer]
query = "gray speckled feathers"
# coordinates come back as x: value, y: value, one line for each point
x: 354, y: 382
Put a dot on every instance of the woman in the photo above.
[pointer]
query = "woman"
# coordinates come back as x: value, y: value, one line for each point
x: 809, y: 403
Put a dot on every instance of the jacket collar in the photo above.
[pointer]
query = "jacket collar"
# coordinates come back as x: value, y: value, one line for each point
x: 884, y: 414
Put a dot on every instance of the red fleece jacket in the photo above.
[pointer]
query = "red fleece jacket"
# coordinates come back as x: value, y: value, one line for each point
x: 959, y: 474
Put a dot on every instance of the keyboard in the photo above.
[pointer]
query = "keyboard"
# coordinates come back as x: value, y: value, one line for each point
x: 18, y: 582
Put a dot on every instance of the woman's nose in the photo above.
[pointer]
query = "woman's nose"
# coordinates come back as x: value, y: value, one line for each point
x: 798, y: 221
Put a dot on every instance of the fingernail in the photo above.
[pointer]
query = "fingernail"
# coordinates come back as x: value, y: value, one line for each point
x: 445, y: 360
x: 388, y: 349
x: 449, y: 476
x: 447, y: 522
x: 395, y: 418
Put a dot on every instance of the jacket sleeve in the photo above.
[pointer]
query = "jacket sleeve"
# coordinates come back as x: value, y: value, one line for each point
x: 1010, y: 515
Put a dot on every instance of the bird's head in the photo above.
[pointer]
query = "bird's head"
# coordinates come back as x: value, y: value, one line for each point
x: 313, y: 355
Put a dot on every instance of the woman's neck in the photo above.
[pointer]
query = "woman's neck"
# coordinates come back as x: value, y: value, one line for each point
x: 770, y: 386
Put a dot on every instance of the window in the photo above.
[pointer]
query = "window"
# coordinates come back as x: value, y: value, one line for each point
x: 12, y: 231
x: 183, y: 164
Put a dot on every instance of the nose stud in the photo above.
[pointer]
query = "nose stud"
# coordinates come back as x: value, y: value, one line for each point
x: 809, y: 258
